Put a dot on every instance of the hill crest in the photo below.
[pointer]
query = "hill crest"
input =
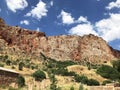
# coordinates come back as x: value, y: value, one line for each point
x: 21, y: 42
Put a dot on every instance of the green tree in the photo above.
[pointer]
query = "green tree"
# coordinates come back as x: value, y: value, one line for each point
x: 93, y: 82
x: 39, y: 75
x: 116, y: 65
x: 21, y: 81
x: 82, y: 79
x: 108, y: 72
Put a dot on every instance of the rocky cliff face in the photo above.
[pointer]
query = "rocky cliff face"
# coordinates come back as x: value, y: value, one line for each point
x: 25, y: 43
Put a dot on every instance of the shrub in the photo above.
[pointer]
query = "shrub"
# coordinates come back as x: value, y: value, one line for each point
x: 20, y: 66
x: 116, y: 65
x: 108, y: 72
x: 72, y: 88
x: 21, y: 81
x: 58, y: 64
x: 1, y: 65
x: 39, y: 75
x: 13, y: 67
x: 53, y: 85
x: 82, y: 79
x: 32, y: 67
x: 93, y: 82
x: 8, y: 62
x: 63, y: 72
x: 14, y: 62
x: 106, y: 81
x: 65, y: 63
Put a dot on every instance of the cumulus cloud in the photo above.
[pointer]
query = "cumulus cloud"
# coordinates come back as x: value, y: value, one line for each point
x: 82, y: 29
x: 39, y: 11
x: 82, y: 19
x: 112, y: 5
x: 66, y: 17
x: 109, y: 28
x: 26, y: 22
x: 15, y: 5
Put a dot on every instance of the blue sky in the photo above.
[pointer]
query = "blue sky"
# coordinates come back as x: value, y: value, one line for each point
x: 70, y: 17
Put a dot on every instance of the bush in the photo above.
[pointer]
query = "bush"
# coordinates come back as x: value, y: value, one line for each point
x: 106, y: 82
x: 39, y: 75
x: 58, y: 64
x: 8, y: 62
x: 108, y: 72
x: 82, y: 79
x: 53, y: 80
x: 62, y: 71
x: 13, y: 67
x: 116, y: 65
x: 1, y: 65
x: 93, y: 82
x: 53, y: 87
x: 21, y: 81
x: 20, y: 66
x: 72, y: 88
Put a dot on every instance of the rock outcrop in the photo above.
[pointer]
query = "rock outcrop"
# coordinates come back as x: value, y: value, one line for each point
x: 21, y: 42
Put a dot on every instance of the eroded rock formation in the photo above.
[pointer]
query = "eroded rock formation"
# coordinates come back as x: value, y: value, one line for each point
x: 25, y: 43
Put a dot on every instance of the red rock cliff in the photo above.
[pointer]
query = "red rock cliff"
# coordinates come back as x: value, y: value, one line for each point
x: 63, y: 47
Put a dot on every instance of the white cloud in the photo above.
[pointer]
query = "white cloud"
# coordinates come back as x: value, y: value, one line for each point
x: 109, y: 28
x: 82, y: 29
x: 82, y: 19
x: 38, y: 29
x: 26, y: 22
x: 15, y: 5
x: 98, y: 0
x: 115, y: 4
x: 51, y: 3
x: 39, y: 11
x: 66, y: 18
x: 0, y: 9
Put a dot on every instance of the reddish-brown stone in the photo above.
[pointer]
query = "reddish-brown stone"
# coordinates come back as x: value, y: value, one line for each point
x: 61, y: 47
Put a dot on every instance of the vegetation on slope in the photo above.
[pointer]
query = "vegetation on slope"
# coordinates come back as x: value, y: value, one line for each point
x: 50, y: 68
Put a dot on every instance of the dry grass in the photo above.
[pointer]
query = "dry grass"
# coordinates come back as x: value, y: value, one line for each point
x: 82, y: 70
x: 65, y: 82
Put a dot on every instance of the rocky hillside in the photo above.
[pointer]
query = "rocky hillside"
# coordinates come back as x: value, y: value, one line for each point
x: 19, y: 42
